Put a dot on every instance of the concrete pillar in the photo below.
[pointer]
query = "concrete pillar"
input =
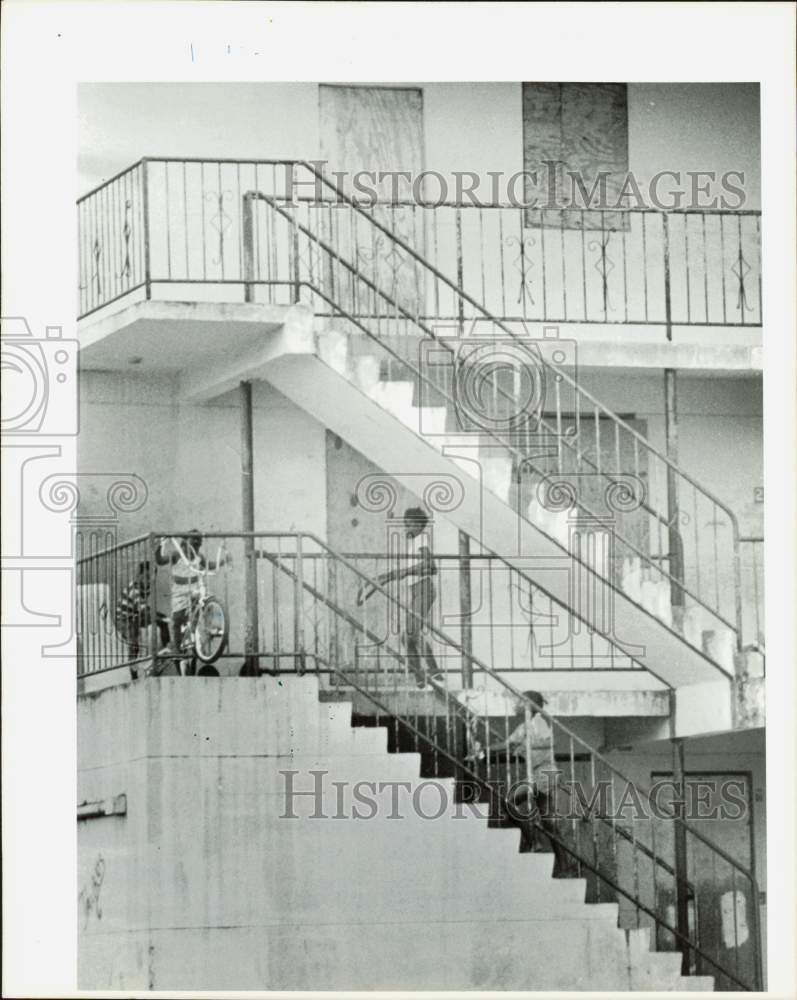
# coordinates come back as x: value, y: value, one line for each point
x: 251, y: 630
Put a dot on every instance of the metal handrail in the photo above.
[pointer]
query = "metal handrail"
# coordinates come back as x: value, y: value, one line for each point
x: 443, y: 637
x: 461, y: 293
x: 667, y: 568
x: 458, y: 290
x: 555, y: 724
x: 307, y: 545
x: 581, y: 858
x: 611, y: 417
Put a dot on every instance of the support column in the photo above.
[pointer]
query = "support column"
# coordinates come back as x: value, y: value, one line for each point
x: 681, y: 860
x: 674, y: 540
x: 248, y: 207
x: 251, y: 629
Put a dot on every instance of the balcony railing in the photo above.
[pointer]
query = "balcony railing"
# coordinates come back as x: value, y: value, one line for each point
x: 166, y: 224
x: 496, y: 611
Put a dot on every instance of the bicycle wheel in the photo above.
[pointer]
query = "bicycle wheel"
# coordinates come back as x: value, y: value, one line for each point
x: 211, y: 631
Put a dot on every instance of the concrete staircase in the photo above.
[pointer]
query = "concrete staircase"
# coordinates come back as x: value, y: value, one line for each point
x: 316, y: 370
x: 205, y: 882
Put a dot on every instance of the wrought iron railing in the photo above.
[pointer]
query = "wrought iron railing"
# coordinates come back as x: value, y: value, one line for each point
x: 629, y: 856
x: 168, y: 221
x: 497, y: 611
x: 673, y: 547
x: 505, y: 617
x: 326, y: 615
x: 113, y: 223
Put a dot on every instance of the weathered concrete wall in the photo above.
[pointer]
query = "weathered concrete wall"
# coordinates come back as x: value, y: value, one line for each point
x: 189, y: 455
x: 189, y: 458
x: 202, y: 884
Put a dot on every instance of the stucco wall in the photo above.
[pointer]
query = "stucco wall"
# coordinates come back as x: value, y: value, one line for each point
x: 720, y: 429
x: 189, y: 455
x: 467, y: 126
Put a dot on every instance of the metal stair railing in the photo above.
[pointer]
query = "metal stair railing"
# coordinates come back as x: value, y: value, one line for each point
x: 633, y: 846
x: 494, y: 603
x: 623, y: 834
x: 180, y: 222
x: 688, y: 579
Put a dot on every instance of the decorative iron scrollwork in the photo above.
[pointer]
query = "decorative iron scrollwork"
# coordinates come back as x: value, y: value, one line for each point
x: 604, y: 265
x: 221, y: 221
x: 523, y: 264
x: 127, y: 231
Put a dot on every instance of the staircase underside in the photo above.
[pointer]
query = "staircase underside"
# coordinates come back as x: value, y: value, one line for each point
x: 289, y: 362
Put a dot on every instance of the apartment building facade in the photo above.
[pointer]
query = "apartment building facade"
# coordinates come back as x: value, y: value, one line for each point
x: 330, y: 305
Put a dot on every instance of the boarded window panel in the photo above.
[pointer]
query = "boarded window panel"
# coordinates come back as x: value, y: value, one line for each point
x: 377, y: 129
x: 580, y: 128
x: 542, y: 141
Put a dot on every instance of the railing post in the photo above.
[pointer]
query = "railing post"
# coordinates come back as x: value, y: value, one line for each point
x: 145, y: 210
x: 674, y: 541
x: 251, y: 627
x: 247, y: 228
x: 758, y: 958
x: 153, y: 631
x: 681, y: 863
x: 298, y: 606
x: 297, y: 286
x: 460, y: 274
x: 465, y: 609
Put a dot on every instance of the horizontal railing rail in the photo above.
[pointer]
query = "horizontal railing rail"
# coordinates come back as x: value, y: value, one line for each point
x: 509, y: 619
x: 319, y: 611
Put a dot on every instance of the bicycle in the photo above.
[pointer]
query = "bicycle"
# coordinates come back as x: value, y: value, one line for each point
x: 207, y: 631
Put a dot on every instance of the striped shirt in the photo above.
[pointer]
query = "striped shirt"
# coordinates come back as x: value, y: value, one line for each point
x: 186, y: 574
x: 132, y: 606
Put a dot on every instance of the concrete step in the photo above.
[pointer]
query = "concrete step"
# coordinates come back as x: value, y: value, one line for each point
x: 217, y: 857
